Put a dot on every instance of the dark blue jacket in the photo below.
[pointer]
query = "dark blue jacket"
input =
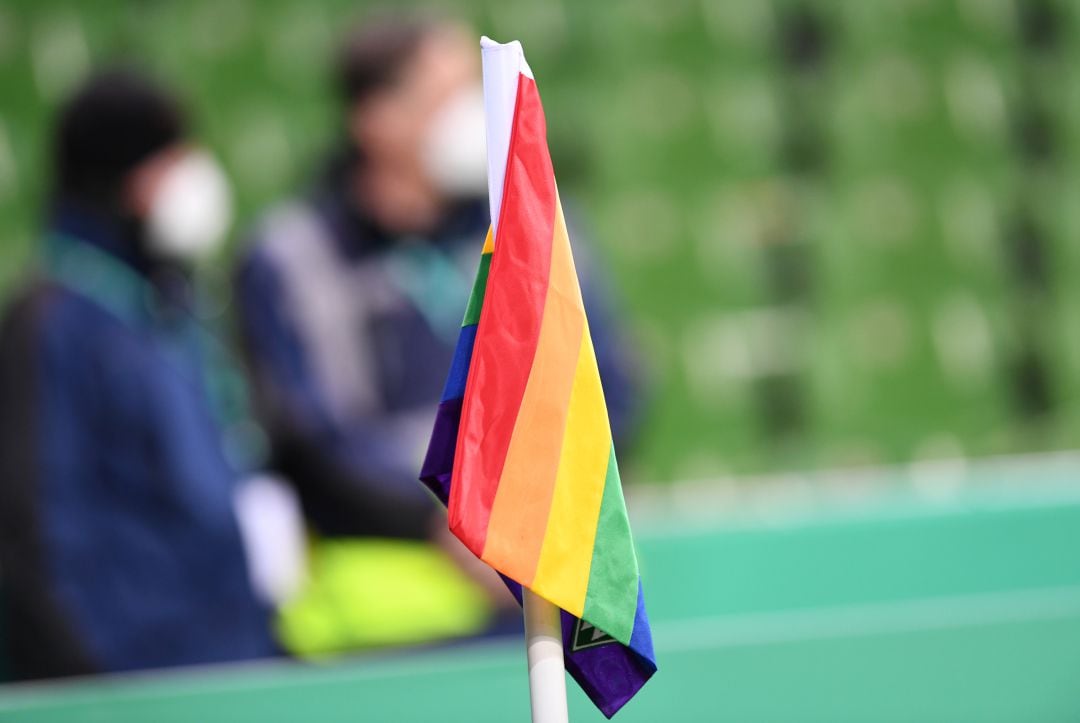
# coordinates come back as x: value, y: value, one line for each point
x: 120, y: 547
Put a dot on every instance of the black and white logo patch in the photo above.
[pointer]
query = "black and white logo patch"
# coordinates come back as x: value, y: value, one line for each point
x: 587, y: 635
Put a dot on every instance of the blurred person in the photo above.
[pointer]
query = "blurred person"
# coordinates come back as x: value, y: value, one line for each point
x: 119, y: 545
x: 351, y: 298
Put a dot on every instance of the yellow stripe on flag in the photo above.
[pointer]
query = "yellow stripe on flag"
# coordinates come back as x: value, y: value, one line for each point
x: 563, y: 571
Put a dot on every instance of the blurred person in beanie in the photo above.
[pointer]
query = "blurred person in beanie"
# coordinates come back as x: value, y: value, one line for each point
x: 122, y: 433
x: 351, y: 298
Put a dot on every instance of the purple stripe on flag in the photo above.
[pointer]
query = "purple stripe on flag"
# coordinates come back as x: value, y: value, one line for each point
x: 439, y: 461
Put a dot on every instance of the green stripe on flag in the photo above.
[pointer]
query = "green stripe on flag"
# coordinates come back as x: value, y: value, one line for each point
x: 611, y: 598
x: 476, y: 299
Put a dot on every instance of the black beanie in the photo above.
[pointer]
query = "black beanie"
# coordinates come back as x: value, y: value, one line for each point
x: 114, y: 121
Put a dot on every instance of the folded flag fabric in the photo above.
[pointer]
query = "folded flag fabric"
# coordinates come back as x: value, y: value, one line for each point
x: 521, y: 452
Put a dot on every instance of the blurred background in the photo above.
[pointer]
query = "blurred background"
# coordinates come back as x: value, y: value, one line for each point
x: 842, y: 235
x: 842, y: 230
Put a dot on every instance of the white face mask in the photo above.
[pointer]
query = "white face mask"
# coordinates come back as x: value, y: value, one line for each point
x: 191, y: 209
x: 455, y: 148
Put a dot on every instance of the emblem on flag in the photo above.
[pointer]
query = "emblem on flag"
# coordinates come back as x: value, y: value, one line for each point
x: 587, y: 635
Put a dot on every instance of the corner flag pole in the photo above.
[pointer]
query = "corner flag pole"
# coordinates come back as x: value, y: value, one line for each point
x: 547, y: 676
x: 504, y: 70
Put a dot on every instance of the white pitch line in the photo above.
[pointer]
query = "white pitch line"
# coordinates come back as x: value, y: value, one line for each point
x: 887, y: 618
x: 1003, y: 482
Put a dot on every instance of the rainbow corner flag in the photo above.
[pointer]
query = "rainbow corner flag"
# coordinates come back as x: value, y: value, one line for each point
x: 521, y: 452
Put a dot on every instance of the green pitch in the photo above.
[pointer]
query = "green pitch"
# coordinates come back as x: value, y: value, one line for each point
x: 860, y: 604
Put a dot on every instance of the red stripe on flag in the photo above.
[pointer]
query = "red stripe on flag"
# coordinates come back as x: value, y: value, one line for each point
x: 509, y: 325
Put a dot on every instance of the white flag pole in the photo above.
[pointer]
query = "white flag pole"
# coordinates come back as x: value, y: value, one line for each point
x: 503, y: 64
x: 547, y: 676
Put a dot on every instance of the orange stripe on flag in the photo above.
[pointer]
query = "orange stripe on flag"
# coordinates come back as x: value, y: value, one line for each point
x: 566, y: 558
x: 519, y: 513
x: 508, y: 332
